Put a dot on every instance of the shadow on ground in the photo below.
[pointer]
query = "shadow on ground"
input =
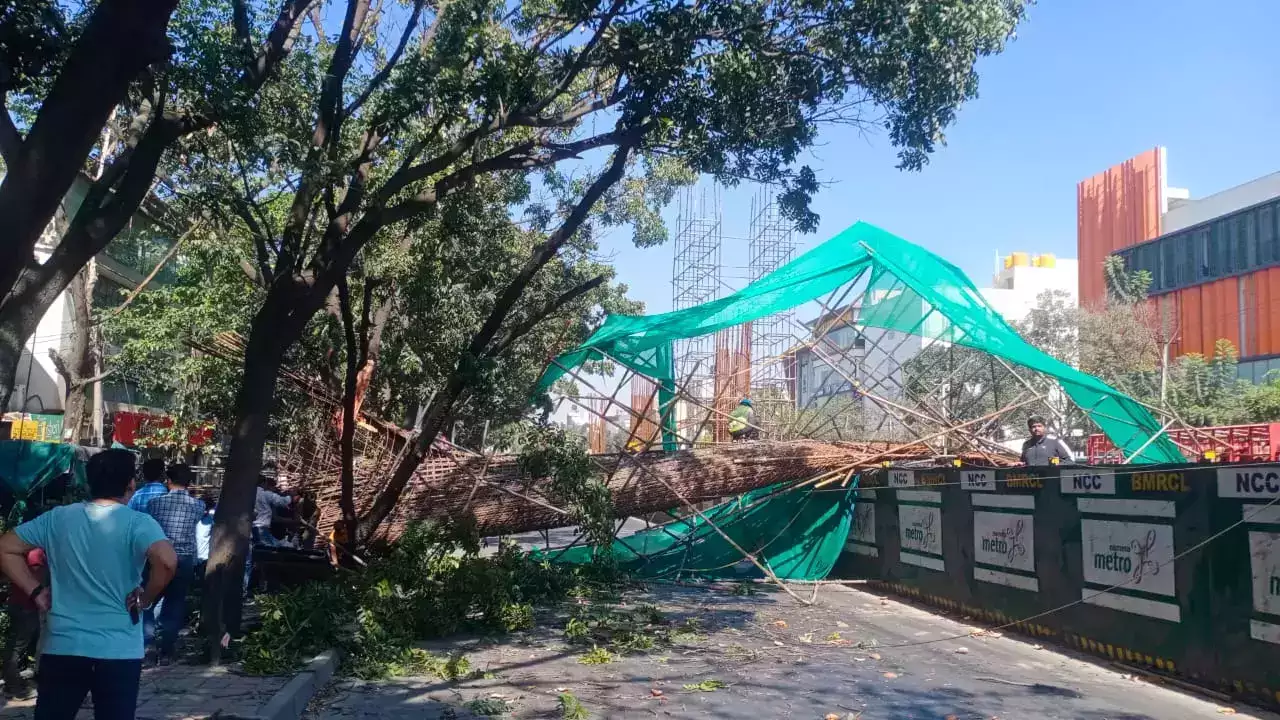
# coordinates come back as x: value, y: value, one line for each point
x: 852, y: 655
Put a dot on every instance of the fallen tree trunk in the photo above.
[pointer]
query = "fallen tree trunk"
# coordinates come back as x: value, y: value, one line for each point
x: 490, y: 491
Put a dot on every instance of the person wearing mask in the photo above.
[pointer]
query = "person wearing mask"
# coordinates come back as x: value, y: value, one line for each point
x: 742, y: 422
x: 1043, y: 449
x: 96, y: 551
x: 178, y: 515
x: 154, y: 487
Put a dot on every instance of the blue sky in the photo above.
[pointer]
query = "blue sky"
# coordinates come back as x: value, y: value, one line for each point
x: 1087, y: 84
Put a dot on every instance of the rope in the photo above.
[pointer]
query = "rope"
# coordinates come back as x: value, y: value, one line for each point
x: 1129, y: 470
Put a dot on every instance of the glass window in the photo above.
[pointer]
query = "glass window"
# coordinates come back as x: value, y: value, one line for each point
x: 1187, y: 274
x: 1250, y: 229
x: 1221, y: 244
x: 1228, y: 246
x: 1168, y: 266
x: 1204, y: 260
x: 1243, y: 260
x: 1273, y: 228
x: 1265, y: 223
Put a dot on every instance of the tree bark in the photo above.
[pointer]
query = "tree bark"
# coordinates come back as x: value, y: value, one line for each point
x: 268, y: 339
x: 483, y: 343
x: 76, y: 367
x: 121, y: 39
x: 11, y: 339
x: 439, y: 411
x: 350, y: 391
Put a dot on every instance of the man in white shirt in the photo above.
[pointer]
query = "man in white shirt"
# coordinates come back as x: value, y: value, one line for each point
x: 204, y: 535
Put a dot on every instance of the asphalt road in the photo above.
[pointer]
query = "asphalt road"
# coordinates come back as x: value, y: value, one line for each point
x: 779, y: 659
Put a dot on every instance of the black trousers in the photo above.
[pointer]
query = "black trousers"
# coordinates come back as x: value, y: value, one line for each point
x: 65, y: 680
x: 20, y: 641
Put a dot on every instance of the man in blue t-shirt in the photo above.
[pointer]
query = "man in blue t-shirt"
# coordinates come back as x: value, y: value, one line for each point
x: 154, y: 487
x: 96, y: 551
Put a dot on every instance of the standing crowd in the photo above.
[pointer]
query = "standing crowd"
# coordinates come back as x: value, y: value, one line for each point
x: 103, y: 584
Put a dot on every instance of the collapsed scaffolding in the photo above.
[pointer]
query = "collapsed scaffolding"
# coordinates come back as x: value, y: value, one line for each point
x: 874, y: 294
x: 896, y: 299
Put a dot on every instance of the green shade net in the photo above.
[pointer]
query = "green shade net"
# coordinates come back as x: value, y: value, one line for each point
x: 909, y: 290
x: 797, y: 534
x: 27, y: 466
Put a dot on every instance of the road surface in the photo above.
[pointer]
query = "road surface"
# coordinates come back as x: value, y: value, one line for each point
x: 779, y: 659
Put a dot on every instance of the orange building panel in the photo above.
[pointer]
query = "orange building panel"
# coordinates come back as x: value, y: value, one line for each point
x: 1115, y: 209
x: 1197, y: 317
x: 1168, y: 315
x: 1262, y: 312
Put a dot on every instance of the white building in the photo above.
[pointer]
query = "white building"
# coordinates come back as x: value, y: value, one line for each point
x: 873, y: 358
x: 1022, y: 277
x: 39, y: 390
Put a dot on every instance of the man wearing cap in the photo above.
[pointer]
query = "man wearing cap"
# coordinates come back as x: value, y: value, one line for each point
x: 1043, y: 449
x: 742, y: 422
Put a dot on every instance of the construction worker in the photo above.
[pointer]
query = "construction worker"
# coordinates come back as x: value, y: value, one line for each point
x: 742, y: 422
x: 1042, y: 448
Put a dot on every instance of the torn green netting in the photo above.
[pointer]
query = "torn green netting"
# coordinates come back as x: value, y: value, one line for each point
x: 797, y: 534
x: 910, y: 290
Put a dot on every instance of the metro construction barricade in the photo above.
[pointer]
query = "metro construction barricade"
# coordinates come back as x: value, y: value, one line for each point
x: 1006, y: 545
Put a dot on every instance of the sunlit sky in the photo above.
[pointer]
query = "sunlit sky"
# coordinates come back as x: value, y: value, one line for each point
x: 1086, y: 84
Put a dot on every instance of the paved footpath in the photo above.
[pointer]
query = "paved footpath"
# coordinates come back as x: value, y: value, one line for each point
x: 780, y: 660
x: 183, y: 691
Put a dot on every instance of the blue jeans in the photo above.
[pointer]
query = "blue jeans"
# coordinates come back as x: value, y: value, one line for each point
x: 64, y: 680
x: 170, y: 608
x: 260, y: 536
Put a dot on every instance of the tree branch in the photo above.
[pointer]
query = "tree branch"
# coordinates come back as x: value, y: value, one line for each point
x: 406, y: 176
x: 429, y: 31
x: 96, y: 378
x: 10, y: 138
x: 60, y: 366
x: 240, y: 22
x: 539, y: 153
x: 513, y: 159
x: 580, y: 61
x: 118, y: 41
x: 154, y: 271
x: 346, y: 439
x: 381, y: 76
x: 278, y: 43
x: 344, y: 55
x: 543, y: 253
x: 444, y: 401
x: 519, y: 331
x: 324, y: 142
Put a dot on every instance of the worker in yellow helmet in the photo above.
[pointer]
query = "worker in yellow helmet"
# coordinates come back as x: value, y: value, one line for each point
x: 742, y: 422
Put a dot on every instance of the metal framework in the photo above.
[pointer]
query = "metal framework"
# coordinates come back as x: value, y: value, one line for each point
x: 881, y: 418
x: 771, y: 245
x: 696, y: 278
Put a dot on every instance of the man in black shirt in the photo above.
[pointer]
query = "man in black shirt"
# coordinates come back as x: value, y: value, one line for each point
x: 1042, y: 449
